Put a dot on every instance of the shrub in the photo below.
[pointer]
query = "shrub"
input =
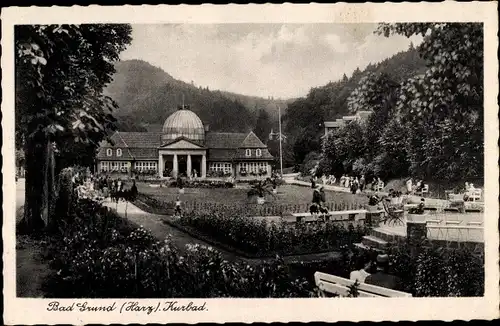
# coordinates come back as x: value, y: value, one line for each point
x: 211, y: 184
x: 102, y: 256
x: 263, y: 238
x: 435, y: 272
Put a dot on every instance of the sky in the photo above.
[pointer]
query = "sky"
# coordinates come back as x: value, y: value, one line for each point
x: 279, y: 60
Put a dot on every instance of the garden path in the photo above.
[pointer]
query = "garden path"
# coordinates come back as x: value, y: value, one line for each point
x: 31, y: 268
x: 154, y: 223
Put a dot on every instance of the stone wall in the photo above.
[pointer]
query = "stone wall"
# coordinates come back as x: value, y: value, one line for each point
x: 416, y: 232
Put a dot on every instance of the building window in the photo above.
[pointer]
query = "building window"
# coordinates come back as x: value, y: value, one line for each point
x: 221, y: 166
x: 119, y: 152
x: 248, y: 152
x: 258, y: 152
x: 109, y: 152
x: 146, y: 166
x: 253, y: 167
x: 104, y: 166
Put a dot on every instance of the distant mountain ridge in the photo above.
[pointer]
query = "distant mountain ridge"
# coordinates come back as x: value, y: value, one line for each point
x: 147, y: 95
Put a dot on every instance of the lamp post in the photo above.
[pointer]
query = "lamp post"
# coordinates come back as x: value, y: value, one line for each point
x: 281, y: 154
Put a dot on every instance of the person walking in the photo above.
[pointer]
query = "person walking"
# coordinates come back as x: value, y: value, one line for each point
x: 362, y: 182
x: 178, y: 209
x: 409, y: 186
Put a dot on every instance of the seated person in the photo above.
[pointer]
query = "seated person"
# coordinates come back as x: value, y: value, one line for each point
x: 381, y: 277
x: 363, y: 270
x: 420, y: 186
x: 420, y: 209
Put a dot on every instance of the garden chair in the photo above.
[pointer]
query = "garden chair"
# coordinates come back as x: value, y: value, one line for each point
x: 424, y: 190
x: 474, y: 195
x: 392, y: 215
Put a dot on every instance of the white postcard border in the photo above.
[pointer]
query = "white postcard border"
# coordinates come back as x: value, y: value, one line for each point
x: 33, y: 311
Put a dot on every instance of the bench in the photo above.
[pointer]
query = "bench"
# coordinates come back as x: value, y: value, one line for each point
x: 433, y: 221
x: 475, y: 223
x: 331, y: 284
x: 453, y: 222
x: 308, y: 217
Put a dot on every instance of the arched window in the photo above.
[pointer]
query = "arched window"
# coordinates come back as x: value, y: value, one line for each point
x: 119, y: 152
x: 248, y: 152
x: 109, y: 152
x: 258, y: 152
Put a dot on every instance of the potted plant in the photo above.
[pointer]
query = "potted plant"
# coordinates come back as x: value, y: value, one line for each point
x: 260, y: 189
x: 274, y: 184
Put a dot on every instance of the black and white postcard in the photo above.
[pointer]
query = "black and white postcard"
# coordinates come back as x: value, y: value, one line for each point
x: 250, y: 163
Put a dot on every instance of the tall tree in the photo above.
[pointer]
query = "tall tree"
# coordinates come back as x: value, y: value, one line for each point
x: 61, y: 71
x: 377, y: 93
x: 445, y: 104
x: 263, y: 125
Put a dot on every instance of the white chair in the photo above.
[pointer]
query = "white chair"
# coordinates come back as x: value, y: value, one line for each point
x: 475, y: 195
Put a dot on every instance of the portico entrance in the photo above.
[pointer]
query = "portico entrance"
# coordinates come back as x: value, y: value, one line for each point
x: 175, y: 162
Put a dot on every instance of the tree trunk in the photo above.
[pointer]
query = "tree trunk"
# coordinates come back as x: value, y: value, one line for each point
x: 36, y: 153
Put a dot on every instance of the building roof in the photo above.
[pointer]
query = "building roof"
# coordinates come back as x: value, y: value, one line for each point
x: 183, y: 123
x: 134, y: 139
x: 195, y: 142
x: 240, y: 155
x: 222, y: 146
x: 220, y: 154
x: 224, y: 139
x: 252, y: 141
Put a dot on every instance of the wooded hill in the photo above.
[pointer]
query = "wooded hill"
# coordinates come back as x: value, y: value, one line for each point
x: 147, y: 95
x: 305, y: 116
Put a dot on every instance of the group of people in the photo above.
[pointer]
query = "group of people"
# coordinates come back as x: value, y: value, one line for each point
x: 376, y: 272
x: 328, y: 180
x: 412, y: 187
x: 89, y: 186
x: 354, y: 184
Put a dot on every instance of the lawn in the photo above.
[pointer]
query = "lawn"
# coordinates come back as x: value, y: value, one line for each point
x: 288, y: 195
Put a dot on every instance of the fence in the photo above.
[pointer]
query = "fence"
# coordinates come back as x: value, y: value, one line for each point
x: 269, y: 209
x: 459, y: 233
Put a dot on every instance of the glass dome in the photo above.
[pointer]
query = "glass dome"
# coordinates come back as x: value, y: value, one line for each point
x: 183, y: 123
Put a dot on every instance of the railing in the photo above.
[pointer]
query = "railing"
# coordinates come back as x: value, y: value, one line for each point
x: 269, y: 210
x: 459, y: 233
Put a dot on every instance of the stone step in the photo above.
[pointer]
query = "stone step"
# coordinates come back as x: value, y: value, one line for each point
x: 364, y: 247
x: 374, y: 242
x: 386, y: 235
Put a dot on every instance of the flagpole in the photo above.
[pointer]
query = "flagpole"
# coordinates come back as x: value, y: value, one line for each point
x: 281, y: 154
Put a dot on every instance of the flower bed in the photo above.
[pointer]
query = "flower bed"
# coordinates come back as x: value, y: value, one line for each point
x: 261, y: 238
x: 203, y: 184
x: 99, y: 255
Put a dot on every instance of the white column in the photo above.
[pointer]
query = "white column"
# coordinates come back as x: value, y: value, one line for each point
x: 189, y: 165
x: 269, y: 168
x: 176, y: 166
x: 204, y: 166
x: 160, y: 166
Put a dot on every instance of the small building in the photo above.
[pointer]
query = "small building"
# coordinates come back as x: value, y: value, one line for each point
x: 345, y: 120
x: 185, y: 147
x: 276, y: 136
